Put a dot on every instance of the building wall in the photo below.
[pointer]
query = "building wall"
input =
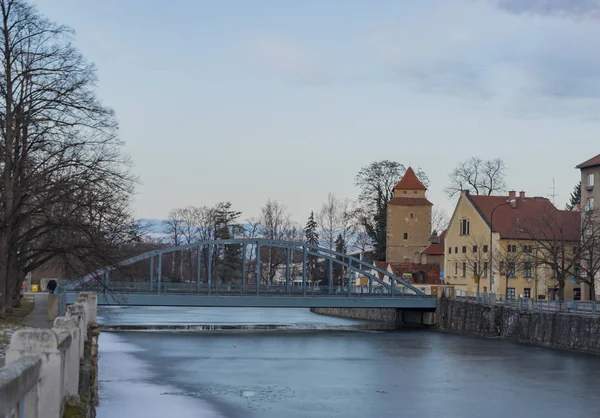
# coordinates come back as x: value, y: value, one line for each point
x: 479, y: 235
x: 588, y: 191
x: 418, y: 228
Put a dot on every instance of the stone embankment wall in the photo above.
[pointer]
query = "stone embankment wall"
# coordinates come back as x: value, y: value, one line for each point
x: 548, y: 329
x: 385, y: 315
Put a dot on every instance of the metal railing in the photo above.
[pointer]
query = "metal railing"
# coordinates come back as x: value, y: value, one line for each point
x: 575, y: 307
x: 249, y: 289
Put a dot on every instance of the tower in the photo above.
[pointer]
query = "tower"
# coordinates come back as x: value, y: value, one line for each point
x: 408, y: 220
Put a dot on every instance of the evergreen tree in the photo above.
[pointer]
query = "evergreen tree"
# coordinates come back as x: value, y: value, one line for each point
x: 338, y: 269
x: 312, y: 238
x: 575, y: 197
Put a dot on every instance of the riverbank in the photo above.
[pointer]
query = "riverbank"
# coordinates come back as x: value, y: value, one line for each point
x: 547, y: 329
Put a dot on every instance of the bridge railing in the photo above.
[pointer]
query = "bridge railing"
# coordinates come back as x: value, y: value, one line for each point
x: 42, y: 365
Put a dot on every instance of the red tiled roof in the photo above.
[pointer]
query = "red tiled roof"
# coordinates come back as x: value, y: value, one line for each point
x: 410, y: 201
x: 533, y: 217
x: 592, y: 162
x: 431, y: 271
x: 434, y: 249
x: 410, y: 181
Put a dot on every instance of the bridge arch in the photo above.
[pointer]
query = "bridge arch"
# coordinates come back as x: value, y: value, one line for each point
x: 380, y: 281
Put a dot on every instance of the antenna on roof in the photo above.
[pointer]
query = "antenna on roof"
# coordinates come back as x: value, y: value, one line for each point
x: 553, y: 195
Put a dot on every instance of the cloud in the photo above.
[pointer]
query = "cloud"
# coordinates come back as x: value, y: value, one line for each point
x: 288, y: 60
x: 581, y: 9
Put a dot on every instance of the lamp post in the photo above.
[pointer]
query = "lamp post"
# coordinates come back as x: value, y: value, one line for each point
x: 506, y: 202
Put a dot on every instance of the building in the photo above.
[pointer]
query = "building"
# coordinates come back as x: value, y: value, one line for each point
x: 590, y: 200
x: 495, y: 234
x: 408, y: 221
x: 411, y: 252
x: 590, y: 176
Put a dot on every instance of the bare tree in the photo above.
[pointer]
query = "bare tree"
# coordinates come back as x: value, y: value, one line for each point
x: 335, y: 217
x: 589, y: 252
x: 509, y: 262
x: 555, y: 235
x: 66, y: 186
x: 275, y: 224
x: 175, y: 230
x: 376, y: 182
x: 439, y: 220
x: 478, y: 176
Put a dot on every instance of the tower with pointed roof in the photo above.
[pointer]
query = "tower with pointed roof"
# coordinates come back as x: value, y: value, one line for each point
x: 408, y: 220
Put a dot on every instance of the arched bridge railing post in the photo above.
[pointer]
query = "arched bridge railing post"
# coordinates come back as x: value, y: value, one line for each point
x: 159, y: 272
x: 330, y: 276
x: 198, y: 267
x: 151, y: 272
x: 257, y: 268
x: 304, y: 254
x: 243, y: 268
x: 288, y: 262
x: 209, y: 268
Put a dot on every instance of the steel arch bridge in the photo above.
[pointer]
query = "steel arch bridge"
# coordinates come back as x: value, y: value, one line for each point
x: 383, y: 289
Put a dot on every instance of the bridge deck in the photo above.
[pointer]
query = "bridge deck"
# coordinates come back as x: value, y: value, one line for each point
x: 427, y: 303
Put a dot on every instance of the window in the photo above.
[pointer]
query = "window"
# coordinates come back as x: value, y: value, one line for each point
x: 510, y: 270
x: 415, y: 192
x: 485, y: 269
x: 449, y: 250
x: 412, y: 215
x: 510, y: 293
x: 474, y: 248
x: 464, y: 270
x: 485, y: 248
x: 464, y: 249
x: 465, y: 227
x: 404, y: 191
x: 527, y: 249
x: 456, y: 268
x: 406, y: 235
x: 591, y: 180
x: 590, y: 203
x: 527, y: 292
x: 456, y: 250
x: 511, y: 248
x: 554, y: 272
x: 475, y: 270
x: 575, y: 250
x: 527, y: 270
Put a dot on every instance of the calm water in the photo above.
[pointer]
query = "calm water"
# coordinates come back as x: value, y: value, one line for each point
x: 323, y: 374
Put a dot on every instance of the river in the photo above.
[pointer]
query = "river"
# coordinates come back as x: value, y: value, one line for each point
x: 311, y: 371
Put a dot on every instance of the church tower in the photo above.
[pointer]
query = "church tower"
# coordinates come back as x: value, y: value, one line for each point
x: 408, y: 221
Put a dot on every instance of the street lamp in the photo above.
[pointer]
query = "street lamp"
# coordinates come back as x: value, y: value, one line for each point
x: 506, y: 202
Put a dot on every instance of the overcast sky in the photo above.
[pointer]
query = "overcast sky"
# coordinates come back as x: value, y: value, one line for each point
x: 245, y: 100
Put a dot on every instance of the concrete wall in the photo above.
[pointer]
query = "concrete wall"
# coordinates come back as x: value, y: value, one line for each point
x: 557, y: 330
x: 398, y: 317
x: 53, y: 370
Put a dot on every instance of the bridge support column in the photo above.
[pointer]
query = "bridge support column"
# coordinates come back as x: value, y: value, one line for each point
x: 151, y: 272
x: 288, y: 262
x: 159, y: 272
x: 198, y: 267
x: 243, y: 268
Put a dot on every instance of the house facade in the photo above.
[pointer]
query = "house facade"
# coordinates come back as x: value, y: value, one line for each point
x: 495, y: 235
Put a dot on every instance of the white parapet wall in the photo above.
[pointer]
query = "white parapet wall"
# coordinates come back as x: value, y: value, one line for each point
x: 42, y: 365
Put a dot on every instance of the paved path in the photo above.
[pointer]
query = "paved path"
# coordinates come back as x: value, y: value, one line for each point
x: 39, y: 317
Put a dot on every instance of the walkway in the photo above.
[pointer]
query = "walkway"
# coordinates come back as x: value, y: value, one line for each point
x: 39, y: 317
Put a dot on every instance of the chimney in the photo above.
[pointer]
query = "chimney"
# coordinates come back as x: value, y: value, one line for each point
x: 512, y: 194
x: 522, y: 195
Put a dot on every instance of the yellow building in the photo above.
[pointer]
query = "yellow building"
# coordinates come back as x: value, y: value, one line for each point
x: 512, y: 249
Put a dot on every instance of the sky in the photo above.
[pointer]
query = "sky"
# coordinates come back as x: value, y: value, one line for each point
x: 245, y: 101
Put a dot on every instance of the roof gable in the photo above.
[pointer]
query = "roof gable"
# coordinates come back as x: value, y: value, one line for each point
x: 410, y: 181
x: 592, y: 162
